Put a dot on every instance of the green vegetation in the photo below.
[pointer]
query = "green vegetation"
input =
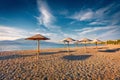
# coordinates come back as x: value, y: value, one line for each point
x: 115, y: 42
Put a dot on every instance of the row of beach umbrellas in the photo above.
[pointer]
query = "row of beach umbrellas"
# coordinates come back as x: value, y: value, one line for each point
x: 39, y: 37
x: 84, y: 40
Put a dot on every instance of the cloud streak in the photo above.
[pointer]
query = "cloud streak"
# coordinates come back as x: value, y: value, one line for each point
x: 99, y: 32
x: 45, y: 18
x: 113, y: 33
x: 88, y: 14
x: 9, y: 33
x: 82, y: 15
x: 99, y: 16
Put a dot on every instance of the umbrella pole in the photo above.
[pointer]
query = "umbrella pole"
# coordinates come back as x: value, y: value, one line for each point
x: 96, y: 46
x: 68, y: 47
x: 76, y: 44
x: 38, y: 46
x: 64, y: 43
x: 85, y: 47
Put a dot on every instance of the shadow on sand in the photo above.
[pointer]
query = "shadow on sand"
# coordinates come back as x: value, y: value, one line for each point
x: 110, y: 50
x: 49, y: 53
x: 76, y: 57
x: 101, y: 48
x: 14, y: 56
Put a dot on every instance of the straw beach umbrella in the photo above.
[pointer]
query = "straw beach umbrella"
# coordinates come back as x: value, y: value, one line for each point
x: 96, y: 41
x: 67, y: 40
x: 37, y: 37
x: 85, y: 40
x: 76, y: 43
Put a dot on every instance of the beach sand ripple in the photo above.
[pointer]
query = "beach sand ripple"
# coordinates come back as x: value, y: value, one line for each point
x: 58, y: 64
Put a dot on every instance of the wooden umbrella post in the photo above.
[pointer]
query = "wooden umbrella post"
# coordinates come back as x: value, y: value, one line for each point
x: 38, y: 46
x: 77, y: 44
x: 67, y: 40
x: 68, y: 47
x: 64, y: 43
x: 96, y: 46
x: 85, y: 47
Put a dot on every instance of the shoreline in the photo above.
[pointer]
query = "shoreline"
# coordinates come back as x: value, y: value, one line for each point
x: 48, y: 48
x: 110, y: 45
x: 34, y: 47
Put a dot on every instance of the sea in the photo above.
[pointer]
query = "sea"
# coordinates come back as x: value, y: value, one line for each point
x: 11, y: 47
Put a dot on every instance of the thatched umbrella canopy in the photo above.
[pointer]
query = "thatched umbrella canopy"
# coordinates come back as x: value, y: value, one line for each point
x: 37, y: 37
x: 96, y: 41
x: 85, y: 40
x: 68, y: 40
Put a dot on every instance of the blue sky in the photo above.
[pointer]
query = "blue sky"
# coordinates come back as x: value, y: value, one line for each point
x: 58, y: 19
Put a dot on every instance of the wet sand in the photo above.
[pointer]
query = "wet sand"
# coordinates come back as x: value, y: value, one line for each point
x: 57, y: 64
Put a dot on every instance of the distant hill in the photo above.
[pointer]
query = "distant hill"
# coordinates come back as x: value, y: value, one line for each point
x: 5, y: 42
x: 23, y: 42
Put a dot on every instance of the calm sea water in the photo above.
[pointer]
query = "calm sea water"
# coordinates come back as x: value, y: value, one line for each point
x: 10, y: 47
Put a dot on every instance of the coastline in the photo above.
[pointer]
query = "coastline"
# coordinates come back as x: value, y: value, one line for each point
x: 33, y: 47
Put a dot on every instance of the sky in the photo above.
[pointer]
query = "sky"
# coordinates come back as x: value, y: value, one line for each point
x: 59, y: 19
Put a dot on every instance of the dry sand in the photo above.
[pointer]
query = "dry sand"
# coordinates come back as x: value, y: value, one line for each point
x: 57, y: 64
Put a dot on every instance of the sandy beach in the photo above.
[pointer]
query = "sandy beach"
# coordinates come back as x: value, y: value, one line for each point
x: 57, y: 64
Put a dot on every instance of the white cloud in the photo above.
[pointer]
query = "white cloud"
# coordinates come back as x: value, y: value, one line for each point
x: 103, y: 22
x: 98, y: 32
x: 93, y: 29
x: 103, y: 11
x: 87, y: 16
x: 45, y: 18
x: 99, y: 17
x: 94, y: 23
x: 115, y: 18
x: 111, y: 34
x: 107, y: 15
x: 9, y: 33
x: 82, y: 15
